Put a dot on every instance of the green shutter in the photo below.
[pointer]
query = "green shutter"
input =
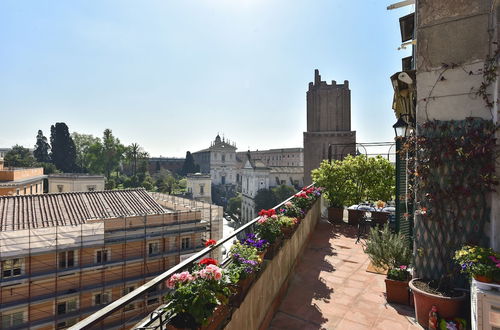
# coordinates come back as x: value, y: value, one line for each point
x: 403, y: 225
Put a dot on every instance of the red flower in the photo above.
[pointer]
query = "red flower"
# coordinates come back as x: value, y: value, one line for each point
x: 208, y: 261
x: 267, y: 213
x: 210, y: 242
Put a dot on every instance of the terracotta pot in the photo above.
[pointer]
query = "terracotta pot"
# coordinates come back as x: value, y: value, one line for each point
x: 354, y: 217
x: 219, y: 317
x: 448, y: 307
x: 273, y: 249
x: 288, y: 231
x: 397, y: 292
x: 240, y: 290
x: 335, y: 214
x: 482, y: 278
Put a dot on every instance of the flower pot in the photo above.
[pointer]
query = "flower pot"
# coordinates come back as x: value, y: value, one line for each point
x: 354, y: 217
x: 335, y: 214
x: 483, y: 282
x: 261, y: 254
x: 448, y: 307
x: 397, y: 292
x: 215, y: 322
x: 240, y: 290
x: 288, y: 231
x: 273, y: 249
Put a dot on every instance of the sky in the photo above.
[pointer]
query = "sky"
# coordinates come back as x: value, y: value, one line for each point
x: 171, y: 75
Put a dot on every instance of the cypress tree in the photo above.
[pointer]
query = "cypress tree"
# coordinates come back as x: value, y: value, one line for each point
x: 42, y: 148
x: 63, y: 148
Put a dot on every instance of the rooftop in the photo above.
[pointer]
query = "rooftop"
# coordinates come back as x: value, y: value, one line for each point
x: 76, y: 176
x: 73, y: 208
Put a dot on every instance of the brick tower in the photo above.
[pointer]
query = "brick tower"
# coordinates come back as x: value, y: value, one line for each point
x: 328, y: 123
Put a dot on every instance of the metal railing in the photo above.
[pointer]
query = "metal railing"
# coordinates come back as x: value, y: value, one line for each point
x: 143, y: 289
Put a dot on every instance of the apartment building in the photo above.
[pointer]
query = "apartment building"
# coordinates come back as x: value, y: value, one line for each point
x: 66, y: 255
x: 20, y: 181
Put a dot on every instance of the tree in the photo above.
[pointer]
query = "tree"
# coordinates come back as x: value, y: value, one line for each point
x: 42, y: 148
x: 135, y: 157
x: 19, y: 156
x: 234, y: 205
x: 63, y: 148
x: 112, y: 152
x: 264, y: 199
x: 356, y: 179
x: 83, y: 145
x: 189, y: 166
x: 282, y: 192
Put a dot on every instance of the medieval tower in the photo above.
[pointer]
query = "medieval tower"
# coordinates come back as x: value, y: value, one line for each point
x: 328, y: 123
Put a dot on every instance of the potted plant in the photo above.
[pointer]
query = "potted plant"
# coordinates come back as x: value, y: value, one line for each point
x: 198, y: 298
x: 288, y: 225
x: 305, y: 198
x: 333, y: 177
x: 244, y: 265
x: 480, y: 263
x: 291, y: 210
x: 260, y: 244
x: 269, y: 228
x: 389, y: 251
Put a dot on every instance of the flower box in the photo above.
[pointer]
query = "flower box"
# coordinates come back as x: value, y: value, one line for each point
x: 288, y: 231
x: 215, y: 322
x: 273, y: 249
x: 240, y: 290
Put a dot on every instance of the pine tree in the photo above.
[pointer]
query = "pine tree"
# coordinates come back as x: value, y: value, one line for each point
x: 42, y: 148
x: 189, y: 166
x: 63, y: 148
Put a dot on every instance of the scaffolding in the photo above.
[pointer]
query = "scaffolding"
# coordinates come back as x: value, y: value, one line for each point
x: 54, y: 276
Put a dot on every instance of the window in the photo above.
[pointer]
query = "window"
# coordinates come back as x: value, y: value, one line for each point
x: 223, y: 158
x: 60, y: 188
x: 31, y: 189
x: 12, y: 267
x: 67, y: 306
x: 67, y: 259
x: 91, y: 188
x: 13, y: 318
x: 185, y: 243
x: 36, y: 188
x: 153, y: 248
x: 202, y: 189
x: 102, y: 256
x: 125, y: 291
x: 67, y: 323
x: 223, y: 179
x: 102, y: 298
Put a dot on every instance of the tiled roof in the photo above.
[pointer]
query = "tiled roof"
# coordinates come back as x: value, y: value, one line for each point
x: 48, y: 210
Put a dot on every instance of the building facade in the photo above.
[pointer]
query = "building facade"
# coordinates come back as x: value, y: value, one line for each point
x: 174, y: 165
x: 64, y: 256
x: 277, y: 157
x: 21, y: 181
x: 219, y: 160
x: 74, y: 182
x: 199, y: 186
x: 255, y: 176
x: 328, y: 123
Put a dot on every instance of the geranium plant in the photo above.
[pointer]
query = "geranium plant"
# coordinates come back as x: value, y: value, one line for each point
x: 291, y: 210
x: 400, y: 273
x: 196, y: 294
x: 268, y: 227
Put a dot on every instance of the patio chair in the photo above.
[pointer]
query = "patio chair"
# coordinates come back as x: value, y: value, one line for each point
x: 364, y: 225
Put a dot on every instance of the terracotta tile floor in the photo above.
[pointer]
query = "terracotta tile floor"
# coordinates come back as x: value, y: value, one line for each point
x: 330, y: 288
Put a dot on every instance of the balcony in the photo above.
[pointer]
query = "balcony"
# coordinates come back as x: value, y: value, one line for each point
x: 318, y: 280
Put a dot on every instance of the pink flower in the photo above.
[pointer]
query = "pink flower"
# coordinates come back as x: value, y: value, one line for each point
x: 274, y: 216
x: 183, y: 277
x: 288, y: 204
x: 170, y: 283
x: 262, y: 219
x: 403, y: 267
x: 218, y: 275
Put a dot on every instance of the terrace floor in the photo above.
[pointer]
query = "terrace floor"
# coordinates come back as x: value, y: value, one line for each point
x: 331, y: 289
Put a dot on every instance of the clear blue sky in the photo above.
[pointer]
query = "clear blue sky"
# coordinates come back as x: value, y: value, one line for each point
x: 170, y: 75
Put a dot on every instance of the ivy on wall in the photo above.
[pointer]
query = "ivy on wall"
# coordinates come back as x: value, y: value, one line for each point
x: 453, y: 167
